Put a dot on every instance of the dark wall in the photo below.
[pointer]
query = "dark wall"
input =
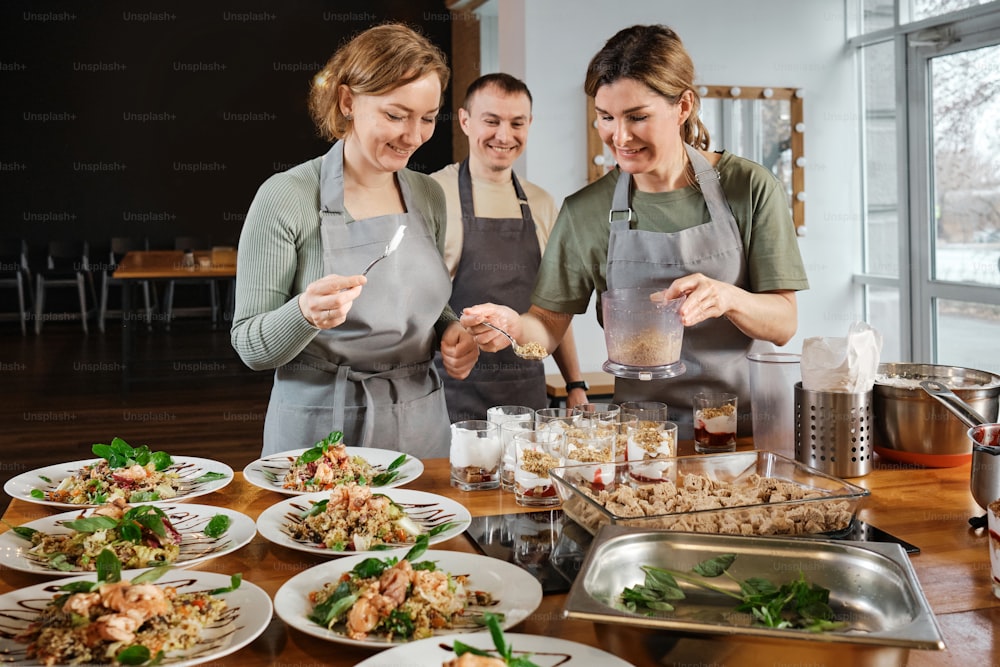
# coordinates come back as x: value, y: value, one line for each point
x: 161, y: 119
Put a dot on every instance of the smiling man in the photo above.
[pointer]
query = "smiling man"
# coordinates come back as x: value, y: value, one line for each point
x: 497, y: 228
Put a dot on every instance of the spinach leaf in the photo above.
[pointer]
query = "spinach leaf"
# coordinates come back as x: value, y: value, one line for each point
x: 234, y: 583
x: 218, y: 525
x: 91, y: 524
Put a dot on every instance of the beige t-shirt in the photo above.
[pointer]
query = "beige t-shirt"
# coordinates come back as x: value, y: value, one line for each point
x: 491, y: 200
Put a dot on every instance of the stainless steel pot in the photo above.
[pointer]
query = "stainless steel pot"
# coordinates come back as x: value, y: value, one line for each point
x: 984, y: 438
x: 912, y: 427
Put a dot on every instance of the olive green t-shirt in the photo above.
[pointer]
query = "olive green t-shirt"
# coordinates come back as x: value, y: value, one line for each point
x: 574, y: 264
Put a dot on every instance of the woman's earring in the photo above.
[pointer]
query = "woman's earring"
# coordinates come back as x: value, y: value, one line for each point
x: 349, y: 116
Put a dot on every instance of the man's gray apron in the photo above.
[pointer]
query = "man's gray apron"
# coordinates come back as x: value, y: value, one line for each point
x: 714, y: 351
x: 372, y: 377
x: 500, y: 258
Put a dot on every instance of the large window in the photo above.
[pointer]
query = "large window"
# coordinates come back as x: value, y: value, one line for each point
x: 931, y: 101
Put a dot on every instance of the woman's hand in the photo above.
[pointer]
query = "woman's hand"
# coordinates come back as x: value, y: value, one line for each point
x: 499, y: 316
x: 459, y: 352
x: 770, y: 316
x: 706, y: 298
x: 326, y: 301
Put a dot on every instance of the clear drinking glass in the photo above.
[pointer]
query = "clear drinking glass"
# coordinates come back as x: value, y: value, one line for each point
x: 599, y: 413
x: 499, y: 414
x: 535, y: 453
x: 559, y: 418
x: 475, y: 455
x: 591, y: 450
x: 652, y: 449
x: 508, y: 457
x: 714, y: 422
x: 645, y: 410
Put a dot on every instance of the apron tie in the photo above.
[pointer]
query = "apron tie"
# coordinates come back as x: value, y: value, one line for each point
x: 345, y: 373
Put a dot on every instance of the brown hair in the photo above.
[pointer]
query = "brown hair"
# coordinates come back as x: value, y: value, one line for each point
x: 505, y: 83
x: 655, y: 56
x: 374, y: 62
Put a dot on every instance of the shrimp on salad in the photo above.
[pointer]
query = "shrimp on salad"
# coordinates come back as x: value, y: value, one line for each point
x: 397, y: 598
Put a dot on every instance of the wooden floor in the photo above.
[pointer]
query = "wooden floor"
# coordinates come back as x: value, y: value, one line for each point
x: 61, y: 391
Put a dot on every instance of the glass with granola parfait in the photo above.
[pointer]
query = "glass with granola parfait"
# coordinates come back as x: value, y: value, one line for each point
x: 536, y: 452
x: 714, y: 422
x: 652, y: 447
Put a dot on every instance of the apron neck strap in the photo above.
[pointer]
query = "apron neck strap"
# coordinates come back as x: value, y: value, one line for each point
x: 465, y: 192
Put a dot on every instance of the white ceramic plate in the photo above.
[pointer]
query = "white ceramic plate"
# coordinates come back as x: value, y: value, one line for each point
x: 426, y: 509
x: 190, y: 468
x: 515, y: 592
x: 189, y: 520
x: 543, y: 651
x: 248, y: 615
x: 268, y: 472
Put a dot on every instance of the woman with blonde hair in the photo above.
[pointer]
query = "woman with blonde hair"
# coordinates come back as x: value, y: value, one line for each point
x: 713, y: 227
x: 353, y: 353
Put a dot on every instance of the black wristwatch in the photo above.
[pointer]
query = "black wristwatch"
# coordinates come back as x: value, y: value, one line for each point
x: 579, y: 384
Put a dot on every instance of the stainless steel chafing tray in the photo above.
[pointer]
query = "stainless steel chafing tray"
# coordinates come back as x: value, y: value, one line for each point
x: 872, y: 587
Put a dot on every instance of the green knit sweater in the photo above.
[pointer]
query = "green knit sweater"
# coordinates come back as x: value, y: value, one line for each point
x: 281, y: 252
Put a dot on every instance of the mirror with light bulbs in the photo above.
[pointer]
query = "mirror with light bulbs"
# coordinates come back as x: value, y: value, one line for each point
x: 759, y: 123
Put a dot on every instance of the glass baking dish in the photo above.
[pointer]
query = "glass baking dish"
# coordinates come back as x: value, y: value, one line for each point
x: 738, y: 493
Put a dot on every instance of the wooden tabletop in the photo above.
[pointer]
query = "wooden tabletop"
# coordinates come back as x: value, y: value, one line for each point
x: 927, y: 507
x: 170, y: 264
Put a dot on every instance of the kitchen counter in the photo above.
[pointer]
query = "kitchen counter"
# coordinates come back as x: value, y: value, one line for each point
x: 929, y: 508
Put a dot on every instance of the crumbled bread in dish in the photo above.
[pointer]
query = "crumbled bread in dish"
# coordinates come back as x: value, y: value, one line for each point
x: 754, y: 506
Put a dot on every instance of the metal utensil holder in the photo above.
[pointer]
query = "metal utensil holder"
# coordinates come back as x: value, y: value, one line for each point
x: 833, y: 431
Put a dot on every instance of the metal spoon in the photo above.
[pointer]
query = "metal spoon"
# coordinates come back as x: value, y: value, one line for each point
x: 392, y: 245
x: 522, y: 351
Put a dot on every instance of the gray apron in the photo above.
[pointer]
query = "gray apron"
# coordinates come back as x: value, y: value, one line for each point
x: 714, y: 351
x: 500, y: 258
x: 372, y: 377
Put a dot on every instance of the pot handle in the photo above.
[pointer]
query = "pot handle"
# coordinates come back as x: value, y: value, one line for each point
x: 956, y: 405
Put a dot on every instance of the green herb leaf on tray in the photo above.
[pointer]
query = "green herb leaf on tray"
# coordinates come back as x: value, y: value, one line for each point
x: 218, y: 525
x: 796, y: 604
x: 37, y: 493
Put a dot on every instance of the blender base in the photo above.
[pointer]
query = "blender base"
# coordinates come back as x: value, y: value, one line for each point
x: 644, y: 372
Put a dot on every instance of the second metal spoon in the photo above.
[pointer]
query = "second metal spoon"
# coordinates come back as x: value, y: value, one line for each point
x: 523, y: 351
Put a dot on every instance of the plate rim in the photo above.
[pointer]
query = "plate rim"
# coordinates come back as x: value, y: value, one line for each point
x: 286, y: 593
x: 251, y: 476
x: 22, y: 478
x: 259, y: 602
x: 280, y: 507
x: 9, y: 539
x: 391, y: 656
